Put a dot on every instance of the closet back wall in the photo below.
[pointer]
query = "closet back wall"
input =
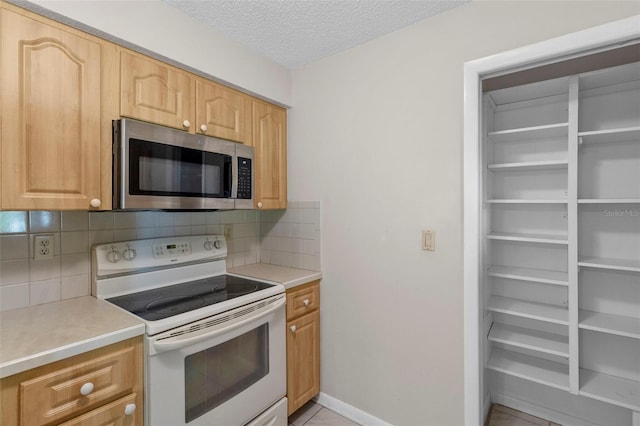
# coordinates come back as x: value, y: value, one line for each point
x: 376, y: 134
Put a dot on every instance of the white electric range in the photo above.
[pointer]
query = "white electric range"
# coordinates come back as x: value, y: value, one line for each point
x: 215, y: 349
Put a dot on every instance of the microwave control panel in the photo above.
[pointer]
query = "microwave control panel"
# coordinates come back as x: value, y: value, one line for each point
x: 244, y: 178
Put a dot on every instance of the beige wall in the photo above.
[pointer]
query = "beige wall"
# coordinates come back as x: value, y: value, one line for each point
x: 376, y: 135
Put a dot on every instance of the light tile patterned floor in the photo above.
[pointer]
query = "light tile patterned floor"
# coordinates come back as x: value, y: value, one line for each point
x: 312, y: 414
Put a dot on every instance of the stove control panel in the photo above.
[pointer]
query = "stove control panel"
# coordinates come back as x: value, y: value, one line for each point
x: 182, y: 248
x: 126, y: 256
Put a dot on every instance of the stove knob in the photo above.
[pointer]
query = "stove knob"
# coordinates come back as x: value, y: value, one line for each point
x: 113, y: 256
x: 208, y: 245
x: 129, y: 254
x: 217, y: 244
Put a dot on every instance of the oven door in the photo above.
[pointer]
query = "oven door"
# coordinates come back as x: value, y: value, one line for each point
x: 222, y: 370
x: 164, y: 168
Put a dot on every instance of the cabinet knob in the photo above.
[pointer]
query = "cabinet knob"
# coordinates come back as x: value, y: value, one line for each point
x: 95, y: 202
x: 259, y: 204
x: 86, y: 389
x: 293, y: 328
x: 129, y: 409
x: 306, y: 302
x: 186, y: 124
x: 203, y: 128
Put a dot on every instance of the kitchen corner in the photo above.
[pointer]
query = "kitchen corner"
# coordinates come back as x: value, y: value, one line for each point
x: 288, y: 277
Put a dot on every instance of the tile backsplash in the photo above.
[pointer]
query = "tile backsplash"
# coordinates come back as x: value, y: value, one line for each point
x: 282, y: 237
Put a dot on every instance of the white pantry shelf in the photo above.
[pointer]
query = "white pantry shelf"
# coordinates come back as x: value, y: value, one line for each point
x: 529, y: 274
x: 530, y: 165
x: 613, y: 264
x: 525, y: 201
x: 550, y: 343
x: 611, y: 389
x: 623, y: 134
x: 525, y: 309
x: 539, y: 370
x: 529, y: 238
x: 611, y: 324
x: 609, y: 201
x: 530, y: 133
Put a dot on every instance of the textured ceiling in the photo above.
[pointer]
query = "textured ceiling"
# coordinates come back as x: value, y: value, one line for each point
x: 296, y: 32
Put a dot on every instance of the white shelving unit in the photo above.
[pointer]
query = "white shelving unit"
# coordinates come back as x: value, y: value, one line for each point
x: 528, y: 367
x: 561, y: 235
x: 554, y: 344
x: 522, y: 308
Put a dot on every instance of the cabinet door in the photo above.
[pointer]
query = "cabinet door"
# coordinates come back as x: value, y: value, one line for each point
x: 52, y: 133
x: 270, y: 143
x: 155, y: 92
x: 222, y: 112
x: 303, y: 359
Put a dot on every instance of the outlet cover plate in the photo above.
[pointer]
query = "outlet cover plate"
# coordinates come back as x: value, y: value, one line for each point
x: 43, y: 247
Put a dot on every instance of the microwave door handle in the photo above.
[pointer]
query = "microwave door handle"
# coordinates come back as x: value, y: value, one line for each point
x: 178, y: 342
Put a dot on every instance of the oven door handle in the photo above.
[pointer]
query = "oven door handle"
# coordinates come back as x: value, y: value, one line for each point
x: 178, y: 342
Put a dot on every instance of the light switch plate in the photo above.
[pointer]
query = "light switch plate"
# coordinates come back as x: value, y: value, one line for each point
x: 428, y: 240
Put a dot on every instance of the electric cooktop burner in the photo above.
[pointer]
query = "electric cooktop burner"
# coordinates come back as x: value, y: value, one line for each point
x: 164, y: 302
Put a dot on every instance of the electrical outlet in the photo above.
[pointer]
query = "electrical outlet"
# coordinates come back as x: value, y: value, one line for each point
x: 228, y: 232
x: 43, y: 247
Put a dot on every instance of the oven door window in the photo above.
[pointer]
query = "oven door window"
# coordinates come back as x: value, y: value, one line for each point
x: 216, y: 374
x: 173, y: 171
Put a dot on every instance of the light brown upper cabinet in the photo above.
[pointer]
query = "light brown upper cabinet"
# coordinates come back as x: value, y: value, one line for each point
x: 56, y: 114
x: 155, y: 92
x: 270, y: 143
x: 159, y: 93
x: 222, y: 112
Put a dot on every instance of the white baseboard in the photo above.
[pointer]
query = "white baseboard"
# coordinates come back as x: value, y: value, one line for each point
x: 538, y: 411
x: 349, y: 411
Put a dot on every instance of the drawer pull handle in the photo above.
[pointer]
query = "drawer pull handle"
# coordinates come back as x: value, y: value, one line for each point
x: 86, y: 389
x: 129, y: 409
x: 306, y: 302
x: 293, y: 328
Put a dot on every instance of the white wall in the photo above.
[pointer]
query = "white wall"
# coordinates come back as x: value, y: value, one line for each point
x: 153, y: 25
x: 376, y: 135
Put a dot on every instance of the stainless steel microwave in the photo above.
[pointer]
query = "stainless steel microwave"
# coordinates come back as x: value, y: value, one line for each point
x: 155, y: 167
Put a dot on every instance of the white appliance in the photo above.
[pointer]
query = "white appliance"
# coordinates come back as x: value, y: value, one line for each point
x: 215, y: 349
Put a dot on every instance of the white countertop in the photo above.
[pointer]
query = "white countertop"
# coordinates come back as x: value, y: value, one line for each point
x: 37, y: 335
x: 289, y: 277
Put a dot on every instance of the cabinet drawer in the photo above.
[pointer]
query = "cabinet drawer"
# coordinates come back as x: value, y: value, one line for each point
x: 303, y: 300
x: 111, y: 414
x: 48, y: 398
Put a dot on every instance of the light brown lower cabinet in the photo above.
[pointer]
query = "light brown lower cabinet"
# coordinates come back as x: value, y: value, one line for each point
x: 303, y: 344
x: 100, y: 387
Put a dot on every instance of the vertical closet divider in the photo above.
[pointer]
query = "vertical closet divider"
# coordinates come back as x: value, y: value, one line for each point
x: 572, y: 225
